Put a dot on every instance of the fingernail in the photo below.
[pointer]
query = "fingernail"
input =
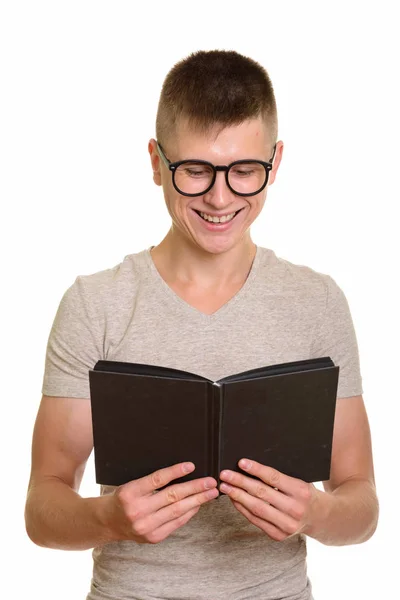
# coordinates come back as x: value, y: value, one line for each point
x: 212, y: 493
x: 187, y: 467
x: 245, y: 464
x: 224, y: 487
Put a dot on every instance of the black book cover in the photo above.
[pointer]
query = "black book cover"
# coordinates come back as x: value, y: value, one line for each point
x: 147, y: 417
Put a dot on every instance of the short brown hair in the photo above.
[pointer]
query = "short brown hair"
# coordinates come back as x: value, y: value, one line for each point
x: 216, y: 87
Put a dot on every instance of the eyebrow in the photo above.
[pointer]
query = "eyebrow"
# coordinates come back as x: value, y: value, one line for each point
x: 168, y: 162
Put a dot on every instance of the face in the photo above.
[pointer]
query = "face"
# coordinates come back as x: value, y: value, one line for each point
x: 248, y: 140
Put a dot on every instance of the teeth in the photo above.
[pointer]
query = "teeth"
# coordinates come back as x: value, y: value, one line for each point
x: 217, y: 219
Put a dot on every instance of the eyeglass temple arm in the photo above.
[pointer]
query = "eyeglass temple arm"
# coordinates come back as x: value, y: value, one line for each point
x: 271, y: 160
x: 161, y: 153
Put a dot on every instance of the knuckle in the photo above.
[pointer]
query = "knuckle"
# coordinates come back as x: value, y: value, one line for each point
x: 134, y: 514
x: 275, y: 533
x: 274, y: 478
x: 200, y: 487
x: 140, y: 528
x: 200, y: 499
x: 156, y: 479
x: 292, y: 528
x: 279, y: 536
x: 296, y: 511
x: 261, y: 491
x: 184, y: 518
x: 153, y: 538
x: 234, y: 494
x: 122, y: 495
x: 305, y: 491
x: 257, y: 511
x: 176, y: 512
x: 172, y: 495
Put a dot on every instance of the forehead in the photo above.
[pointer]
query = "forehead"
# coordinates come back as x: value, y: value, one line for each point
x: 249, y: 139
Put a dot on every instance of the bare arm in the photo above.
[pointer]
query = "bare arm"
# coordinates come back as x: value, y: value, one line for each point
x: 58, y: 517
x: 345, y: 513
x: 348, y: 512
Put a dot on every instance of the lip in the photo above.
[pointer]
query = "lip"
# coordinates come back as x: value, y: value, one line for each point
x: 217, y: 227
x: 219, y: 215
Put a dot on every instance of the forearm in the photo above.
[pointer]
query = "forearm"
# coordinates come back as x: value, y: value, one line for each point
x: 58, y: 517
x: 347, y: 515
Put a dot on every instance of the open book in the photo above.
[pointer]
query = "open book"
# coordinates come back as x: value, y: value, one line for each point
x: 148, y: 417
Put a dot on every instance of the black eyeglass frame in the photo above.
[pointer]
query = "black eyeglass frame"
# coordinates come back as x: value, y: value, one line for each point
x: 174, y: 165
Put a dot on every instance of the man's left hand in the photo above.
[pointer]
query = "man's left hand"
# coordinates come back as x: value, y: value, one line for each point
x: 279, y: 505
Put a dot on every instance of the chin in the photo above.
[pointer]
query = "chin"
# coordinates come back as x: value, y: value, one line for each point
x: 218, y: 246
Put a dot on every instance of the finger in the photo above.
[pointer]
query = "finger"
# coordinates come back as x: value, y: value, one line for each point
x: 286, y: 504
x: 158, y: 479
x: 165, y: 530
x: 269, y: 528
x: 262, y: 510
x: 177, y: 492
x: 272, y: 477
x: 176, y: 510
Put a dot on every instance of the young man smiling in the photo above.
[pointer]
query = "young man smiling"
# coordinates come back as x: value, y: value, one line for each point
x: 208, y: 300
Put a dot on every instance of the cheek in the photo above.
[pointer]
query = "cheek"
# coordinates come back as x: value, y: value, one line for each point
x: 257, y: 205
x: 169, y: 196
x: 261, y: 204
x: 174, y: 202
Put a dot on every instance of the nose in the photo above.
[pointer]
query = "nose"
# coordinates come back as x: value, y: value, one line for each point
x: 220, y: 196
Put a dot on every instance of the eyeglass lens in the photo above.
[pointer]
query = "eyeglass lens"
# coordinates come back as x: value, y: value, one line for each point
x: 196, y: 178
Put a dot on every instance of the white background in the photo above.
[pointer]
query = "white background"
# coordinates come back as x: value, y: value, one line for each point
x: 80, y: 84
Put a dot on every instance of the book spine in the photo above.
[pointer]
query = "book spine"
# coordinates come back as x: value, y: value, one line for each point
x: 219, y: 430
x: 215, y: 412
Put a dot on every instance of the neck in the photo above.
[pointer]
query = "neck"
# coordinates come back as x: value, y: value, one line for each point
x: 180, y: 260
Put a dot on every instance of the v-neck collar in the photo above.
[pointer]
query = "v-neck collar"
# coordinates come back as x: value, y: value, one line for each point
x: 191, y: 310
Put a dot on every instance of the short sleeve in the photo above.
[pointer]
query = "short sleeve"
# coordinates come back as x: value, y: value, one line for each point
x: 74, y: 345
x: 335, y: 337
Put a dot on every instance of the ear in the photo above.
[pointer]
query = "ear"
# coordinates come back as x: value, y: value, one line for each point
x: 277, y: 161
x: 155, y: 161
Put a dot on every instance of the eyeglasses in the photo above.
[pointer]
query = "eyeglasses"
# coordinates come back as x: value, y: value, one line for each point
x: 196, y: 177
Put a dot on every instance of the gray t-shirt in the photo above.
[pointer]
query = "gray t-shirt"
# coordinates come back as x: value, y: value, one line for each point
x: 284, y: 312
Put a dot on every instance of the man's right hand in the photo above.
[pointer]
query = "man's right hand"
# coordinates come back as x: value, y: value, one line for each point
x: 146, y: 517
x: 58, y: 517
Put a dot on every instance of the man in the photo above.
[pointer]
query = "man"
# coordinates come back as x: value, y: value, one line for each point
x: 206, y: 300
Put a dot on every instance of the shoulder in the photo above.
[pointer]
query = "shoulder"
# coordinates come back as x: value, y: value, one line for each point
x: 125, y: 275
x: 285, y: 277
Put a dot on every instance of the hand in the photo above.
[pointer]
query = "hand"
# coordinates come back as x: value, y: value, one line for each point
x: 140, y: 514
x: 279, y: 505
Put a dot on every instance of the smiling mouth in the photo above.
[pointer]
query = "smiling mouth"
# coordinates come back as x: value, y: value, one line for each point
x: 213, y: 219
